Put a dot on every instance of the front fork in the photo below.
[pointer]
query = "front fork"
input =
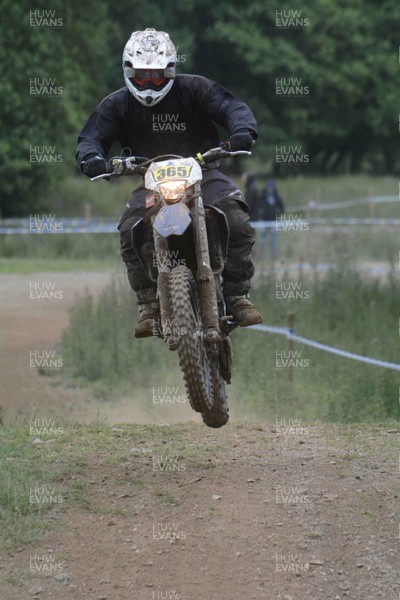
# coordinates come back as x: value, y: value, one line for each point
x: 161, y: 251
x: 205, y: 275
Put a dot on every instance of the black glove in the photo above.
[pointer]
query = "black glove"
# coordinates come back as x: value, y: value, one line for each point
x: 93, y: 166
x: 240, y: 141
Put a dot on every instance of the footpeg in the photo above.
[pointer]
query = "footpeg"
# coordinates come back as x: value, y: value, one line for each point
x: 228, y: 324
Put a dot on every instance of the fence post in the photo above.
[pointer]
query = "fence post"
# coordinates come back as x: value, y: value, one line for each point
x: 371, y: 204
x: 291, y: 319
x: 318, y: 197
x: 87, y: 210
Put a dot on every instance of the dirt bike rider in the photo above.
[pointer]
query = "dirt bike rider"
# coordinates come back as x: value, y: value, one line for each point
x: 160, y: 113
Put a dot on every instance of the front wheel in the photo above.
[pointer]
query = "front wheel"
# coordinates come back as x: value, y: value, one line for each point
x: 218, y: 414
x: 193, y: 358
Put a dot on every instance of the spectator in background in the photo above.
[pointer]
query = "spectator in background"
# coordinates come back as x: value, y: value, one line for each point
x: 271, y: 207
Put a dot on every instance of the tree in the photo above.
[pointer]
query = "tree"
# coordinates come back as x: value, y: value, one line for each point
x: 344, y: 53
x: 48, y: 79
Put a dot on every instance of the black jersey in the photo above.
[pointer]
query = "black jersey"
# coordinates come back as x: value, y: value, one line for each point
x: 183, y: 122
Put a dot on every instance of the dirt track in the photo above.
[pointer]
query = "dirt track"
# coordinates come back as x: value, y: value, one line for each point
x: 245, y: 513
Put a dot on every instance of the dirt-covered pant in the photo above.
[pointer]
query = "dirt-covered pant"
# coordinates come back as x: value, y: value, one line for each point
x: 220, y: 191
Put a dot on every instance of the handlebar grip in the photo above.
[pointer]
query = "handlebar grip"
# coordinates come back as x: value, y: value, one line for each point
x: 110, y: 166
x: 120, y: 165
x: 225, y: 146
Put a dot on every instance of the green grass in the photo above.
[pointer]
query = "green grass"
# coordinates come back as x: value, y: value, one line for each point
x: 316, y: 246
x: 300, y: 190
x: 24, y: 266
x: 51, y: 247
x: 25, y: 465
x: 98, y: 345
x: 78, y: 196
x: 21, y: 468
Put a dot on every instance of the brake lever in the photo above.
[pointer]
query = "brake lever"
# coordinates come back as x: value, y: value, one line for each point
x: 103, y: 176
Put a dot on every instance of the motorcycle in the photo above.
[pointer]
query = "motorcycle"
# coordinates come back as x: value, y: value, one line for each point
x: 182, y: 245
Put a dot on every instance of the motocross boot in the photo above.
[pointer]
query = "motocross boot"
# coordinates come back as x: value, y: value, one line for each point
x: 149, y: 313
x: 242, y: 310
x: 149, y: 320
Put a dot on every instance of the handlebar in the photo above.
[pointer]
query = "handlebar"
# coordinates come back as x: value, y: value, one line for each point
x: 132, y: 165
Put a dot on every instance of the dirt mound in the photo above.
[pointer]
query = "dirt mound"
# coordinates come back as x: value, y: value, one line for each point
x: 187, y: 513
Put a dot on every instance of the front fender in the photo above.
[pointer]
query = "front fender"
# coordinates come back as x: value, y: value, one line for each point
x: 172, y: 219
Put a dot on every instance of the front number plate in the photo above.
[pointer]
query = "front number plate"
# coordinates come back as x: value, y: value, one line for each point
x: 172, y: 172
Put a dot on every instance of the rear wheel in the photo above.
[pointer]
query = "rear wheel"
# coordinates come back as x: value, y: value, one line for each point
x: 193, y: 358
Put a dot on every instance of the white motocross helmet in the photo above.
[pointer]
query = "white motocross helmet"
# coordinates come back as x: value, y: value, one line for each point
x: 148, y: 62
